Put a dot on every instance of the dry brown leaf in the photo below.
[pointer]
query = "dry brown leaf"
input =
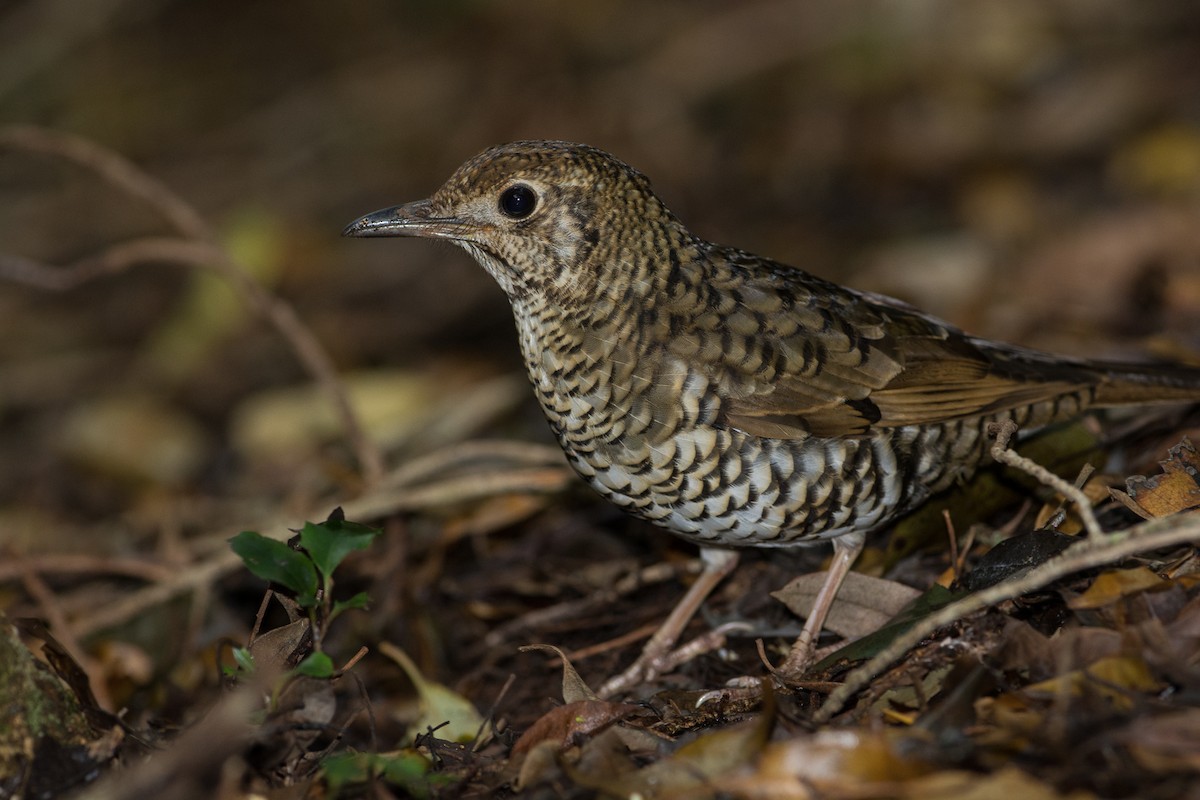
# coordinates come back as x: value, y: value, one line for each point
x: 1115, y: 678
x: 574, y: 688
x: 1186, y: 624
x: 563, y: 724
x: 1166, y: 742
x: 1094, y: 490
x: 1111, y: 586
x: 692, y: 770
x: 841, y: 760
x: 1009, y: 714
x: 1003, y: 784
x: 1174, y: 490
x: 863, y: 605
x: 279, y: 649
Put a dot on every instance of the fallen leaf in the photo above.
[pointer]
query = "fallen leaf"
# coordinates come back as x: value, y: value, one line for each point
x: 864, y: 604
x: 1016, y: 554
x: 1166, y: 742
x: 279, y: 649
x: 933, y: 599
x: 1114, y: 677
x: 691, y: 770
x: 440, y: 706
x: 137, y: 437
x: 574, y: 688
x: 843, y: 760
x: 1174, y: 490
x: 561, y: 726
x: 1003, y: 784
x: 1109, y: 587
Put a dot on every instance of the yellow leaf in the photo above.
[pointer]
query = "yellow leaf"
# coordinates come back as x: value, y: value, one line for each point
x: 1111, y: 586
x: 1113, y: 677
x: 439, y: 704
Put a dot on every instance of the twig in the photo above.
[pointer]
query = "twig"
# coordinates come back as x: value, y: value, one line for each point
x: 1087, y: 553
x: 379, y: 503
x: 197, y: 246
x: 421, y: 469
x: 114, y: 169
x: 955, y: 561
x: 604, y: 596
x: 131, y: 605
x: 1003, y: 432
x: 14, y: 566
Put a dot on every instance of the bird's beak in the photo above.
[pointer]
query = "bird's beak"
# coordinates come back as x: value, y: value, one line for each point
x: 412, y: 219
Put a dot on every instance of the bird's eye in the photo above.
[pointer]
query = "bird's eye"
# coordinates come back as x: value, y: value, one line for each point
x: 518, y: 201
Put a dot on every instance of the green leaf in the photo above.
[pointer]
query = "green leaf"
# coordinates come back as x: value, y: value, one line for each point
x: 315, y: 665
x: 244, y: 660
x: 359, y: 600
x: 329, y: 542
x: 933, y: 599
x: 404, y: 768
x: 453, y: 715
x: 278, y: 563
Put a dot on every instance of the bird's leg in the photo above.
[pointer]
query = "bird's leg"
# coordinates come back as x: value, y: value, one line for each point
x: 846, y: 549
x: 656, y: 655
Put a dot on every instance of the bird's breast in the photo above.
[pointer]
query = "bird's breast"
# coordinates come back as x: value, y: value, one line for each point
x: 643, y: 428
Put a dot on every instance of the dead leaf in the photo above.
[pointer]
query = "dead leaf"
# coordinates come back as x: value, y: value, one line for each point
x: 1109, y: 587
x: 138, y: 437
x: 562, y: 725
x: 864, y: 604
x: 1015, y: 554
x: 691, y: 770
x: 842, y: 762
x: 1095, y: 490
x: 574, y: 689
x: 1186, y: 624
x: 53, y: 738
x: 1166, y: 742
x: 1003, y: 784
x: 279, y: 649
x: 1114, y: 678
x: 439, y: 705
x: 1174, y: 490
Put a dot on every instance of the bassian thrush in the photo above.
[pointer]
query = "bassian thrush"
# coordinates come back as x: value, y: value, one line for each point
x: 731, y: 399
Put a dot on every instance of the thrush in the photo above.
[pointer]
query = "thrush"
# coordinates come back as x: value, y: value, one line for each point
x: 731, y: 399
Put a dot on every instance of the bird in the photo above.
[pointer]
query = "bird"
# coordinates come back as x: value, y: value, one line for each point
x: 731, y: 399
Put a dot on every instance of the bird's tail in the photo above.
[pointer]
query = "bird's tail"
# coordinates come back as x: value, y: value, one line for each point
x: 1140, y: 384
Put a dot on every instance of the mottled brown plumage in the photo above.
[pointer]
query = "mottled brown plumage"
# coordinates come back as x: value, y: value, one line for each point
x: 731, y: 399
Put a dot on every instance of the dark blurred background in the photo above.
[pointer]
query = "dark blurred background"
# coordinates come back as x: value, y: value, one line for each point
x: 1029, y: 169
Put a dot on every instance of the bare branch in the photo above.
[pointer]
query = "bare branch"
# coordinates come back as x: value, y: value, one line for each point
x: 197, y: 247
x: 1087, y: 553
x: 1001, y: 452
x: 114, y: 169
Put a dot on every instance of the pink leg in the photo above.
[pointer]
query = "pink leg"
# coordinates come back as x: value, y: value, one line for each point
x: 656, y: 655
x: 846, y: 550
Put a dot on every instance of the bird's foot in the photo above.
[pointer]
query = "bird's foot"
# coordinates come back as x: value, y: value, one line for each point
x: 790, y: 674
x: 659, y: 659
x: 799, y: 658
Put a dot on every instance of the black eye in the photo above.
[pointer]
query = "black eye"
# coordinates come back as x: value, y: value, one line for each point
x: 518, y: 201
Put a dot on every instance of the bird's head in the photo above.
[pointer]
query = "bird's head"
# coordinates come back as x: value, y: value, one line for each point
x: 552, y: 220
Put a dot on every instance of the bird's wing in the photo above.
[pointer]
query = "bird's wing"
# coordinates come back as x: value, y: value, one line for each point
x: 795, y: 356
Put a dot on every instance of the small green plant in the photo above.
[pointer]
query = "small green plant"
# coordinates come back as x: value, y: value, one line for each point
x: 301, y: 574
x: 303, y: 569
x: 404, y: 768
